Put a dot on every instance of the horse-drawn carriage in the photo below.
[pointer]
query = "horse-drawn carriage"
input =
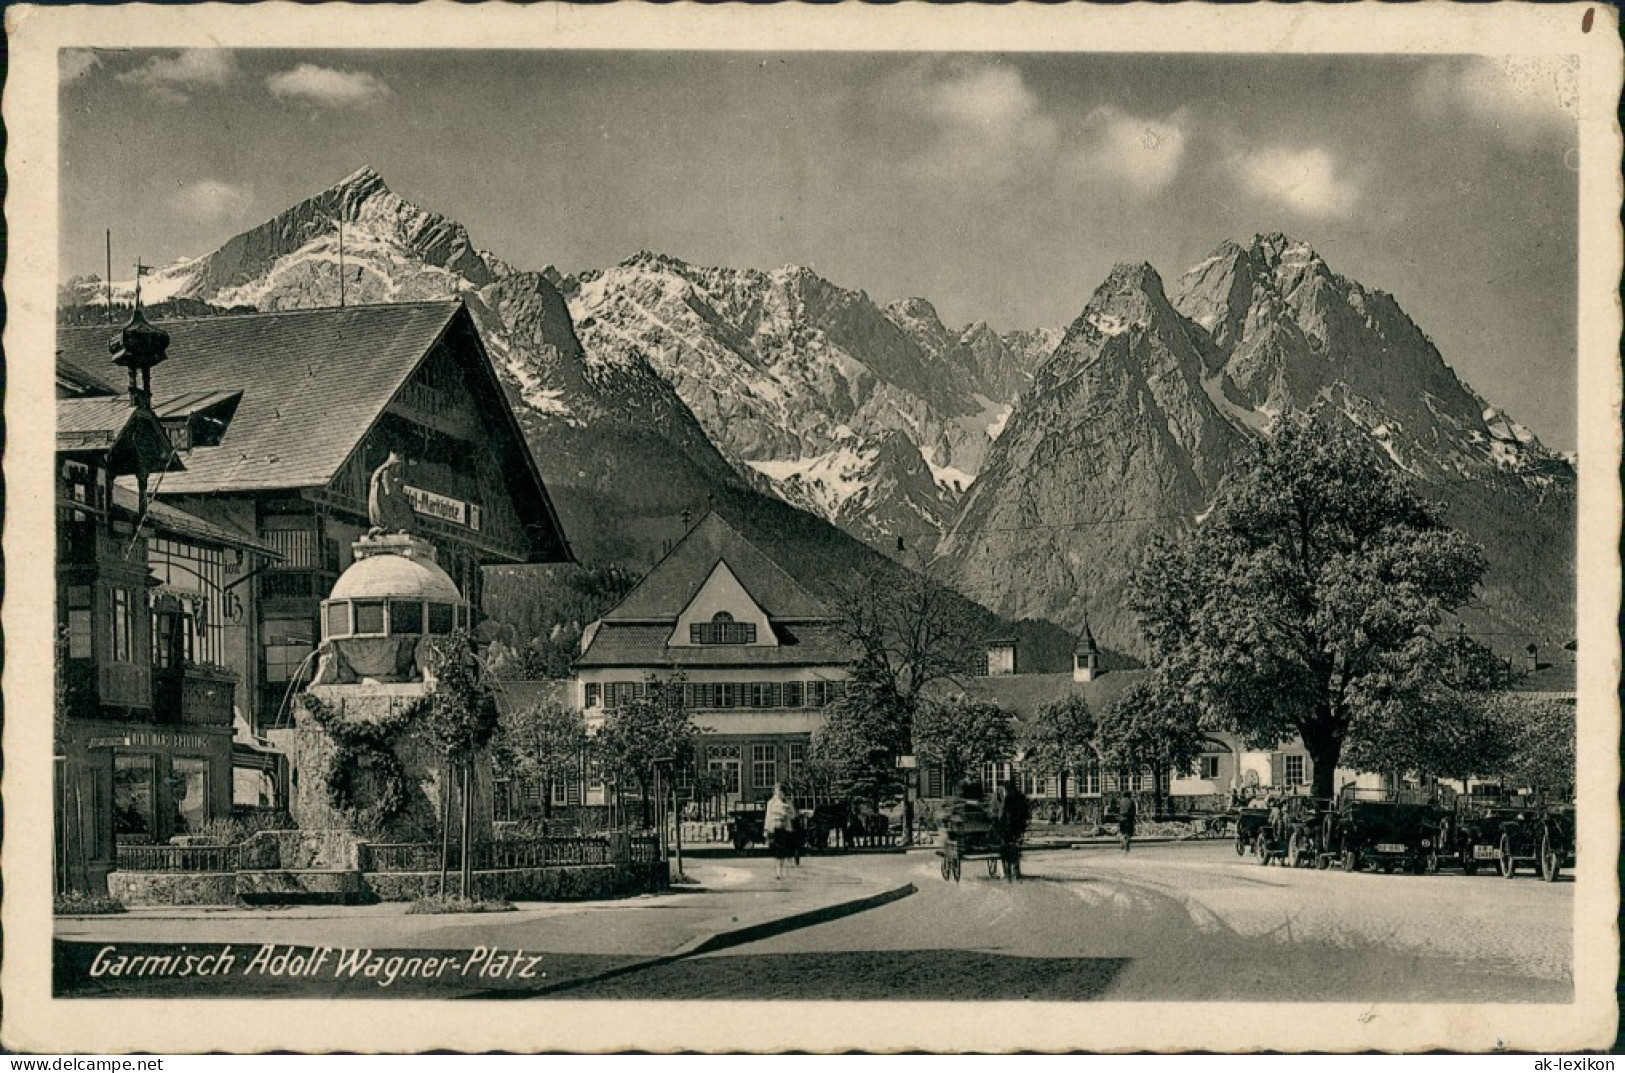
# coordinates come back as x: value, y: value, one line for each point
x: 969, y: 834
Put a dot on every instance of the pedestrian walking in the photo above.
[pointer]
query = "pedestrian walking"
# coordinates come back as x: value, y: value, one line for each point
x: 1127, y: 814
x: 779, y: 825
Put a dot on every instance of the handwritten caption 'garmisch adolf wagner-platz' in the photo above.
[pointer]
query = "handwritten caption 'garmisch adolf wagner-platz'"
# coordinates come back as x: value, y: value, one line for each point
x: 383, y: 968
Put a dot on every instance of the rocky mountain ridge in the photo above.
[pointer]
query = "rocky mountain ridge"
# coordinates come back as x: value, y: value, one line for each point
x: 1042, y: 461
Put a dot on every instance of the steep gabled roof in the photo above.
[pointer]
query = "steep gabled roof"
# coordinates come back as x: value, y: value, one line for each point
x: 76, y: 380
x: 669, y: 588
x: 313, y: 383
x: 107, y: 423
x: 166, y: 518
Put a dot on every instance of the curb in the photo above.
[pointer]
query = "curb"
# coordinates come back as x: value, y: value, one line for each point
x: 720, y: 940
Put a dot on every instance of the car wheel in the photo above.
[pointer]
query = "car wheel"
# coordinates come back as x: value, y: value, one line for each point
x: 1550, y: 863
x: 1294, y: 852
x: 1261, y: 847
x: 1241, y: 843
x: 1509, y: 866
x: 956, y: 869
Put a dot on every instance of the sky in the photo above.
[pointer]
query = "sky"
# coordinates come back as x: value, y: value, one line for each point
x: 1000, y: 187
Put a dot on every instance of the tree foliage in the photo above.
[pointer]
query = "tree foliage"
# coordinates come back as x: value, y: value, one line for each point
x: 1145, y: 728
x: 1307, y: 601
x: 1541, y: 735
x: 908, y: 632
x: 961, y: 735
x: 460, y: 716
x: 854, y: 751
x: 653, y: 727
x: 544, y: 742
x: 1059, y: 739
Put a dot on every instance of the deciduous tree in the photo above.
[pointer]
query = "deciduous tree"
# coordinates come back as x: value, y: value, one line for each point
x: 1059, y: 739
x: 1145, y: 729
x: 962, y: 735
x: 543, y: 742
x: 1305, y: 601
x: 653, y: 727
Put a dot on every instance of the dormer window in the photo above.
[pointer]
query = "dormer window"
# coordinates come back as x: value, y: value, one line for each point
x: 722, y: 630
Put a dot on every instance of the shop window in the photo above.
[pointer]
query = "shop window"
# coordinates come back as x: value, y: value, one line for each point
x: 189, y: 791
x: 369, y: 616
x: 79, y: 620
x: 764, y: 765
x: 133, y: 797
x: 441, y: 620
x: 405, y: 617
x: 338, y: 618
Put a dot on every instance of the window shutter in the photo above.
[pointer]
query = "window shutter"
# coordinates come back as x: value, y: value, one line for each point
x: 1277, y: 769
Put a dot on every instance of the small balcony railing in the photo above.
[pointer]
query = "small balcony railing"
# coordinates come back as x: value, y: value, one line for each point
x: 194, y: 695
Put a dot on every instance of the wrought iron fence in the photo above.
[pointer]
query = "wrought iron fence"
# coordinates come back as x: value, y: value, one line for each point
x: 550, y: 852
x: 177, y: 858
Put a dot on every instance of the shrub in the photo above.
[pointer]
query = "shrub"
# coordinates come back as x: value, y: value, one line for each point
x: 76, y: 903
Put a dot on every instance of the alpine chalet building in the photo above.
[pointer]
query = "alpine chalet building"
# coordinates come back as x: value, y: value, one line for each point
x: 278, y: 421
x: 760, y: 656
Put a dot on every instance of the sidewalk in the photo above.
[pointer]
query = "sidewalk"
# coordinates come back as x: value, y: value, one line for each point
x: 737, y: 901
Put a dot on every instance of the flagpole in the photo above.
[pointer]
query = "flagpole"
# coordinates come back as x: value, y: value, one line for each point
x: 108, y: 282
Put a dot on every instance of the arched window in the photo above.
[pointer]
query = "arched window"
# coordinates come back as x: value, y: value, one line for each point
x: 722, y: 630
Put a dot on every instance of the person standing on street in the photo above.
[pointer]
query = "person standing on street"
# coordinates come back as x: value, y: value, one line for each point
x: 1127, y: 814
x: 779, y: 825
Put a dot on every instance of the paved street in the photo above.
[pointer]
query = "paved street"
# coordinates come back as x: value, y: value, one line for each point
x: 1168, y: 922
x: 1171, y: 921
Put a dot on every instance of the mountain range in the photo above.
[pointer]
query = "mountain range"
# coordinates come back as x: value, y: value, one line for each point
x: 1029, y: 466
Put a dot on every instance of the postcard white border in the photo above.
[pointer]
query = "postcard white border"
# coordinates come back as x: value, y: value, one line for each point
x: 33, y: 1021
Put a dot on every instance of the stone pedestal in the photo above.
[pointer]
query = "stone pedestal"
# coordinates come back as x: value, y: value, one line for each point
x: 419, y: 820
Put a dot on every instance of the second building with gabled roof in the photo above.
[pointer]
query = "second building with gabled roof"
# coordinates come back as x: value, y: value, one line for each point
x: 761, y: 657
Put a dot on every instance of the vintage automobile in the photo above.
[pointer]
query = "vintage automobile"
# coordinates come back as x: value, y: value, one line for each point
x: 1294, y: 833
x: 1248, y: 820
x: 746, y: 826
x: 1541, y: 836
x: 1473, y: 837
x: 1385, y: 829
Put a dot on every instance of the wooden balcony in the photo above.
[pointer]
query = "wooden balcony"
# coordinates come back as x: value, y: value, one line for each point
x: 194, y: 696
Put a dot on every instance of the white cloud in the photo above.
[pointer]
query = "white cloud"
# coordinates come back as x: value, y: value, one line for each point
x: 210, y: 200
x: 172, y: 77
x: 75, y: 63
x: 984, y: 125
x: 1519, y: 96
x: 1140, y: 153
x: 328, y: 86
x: 1306, y: 181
